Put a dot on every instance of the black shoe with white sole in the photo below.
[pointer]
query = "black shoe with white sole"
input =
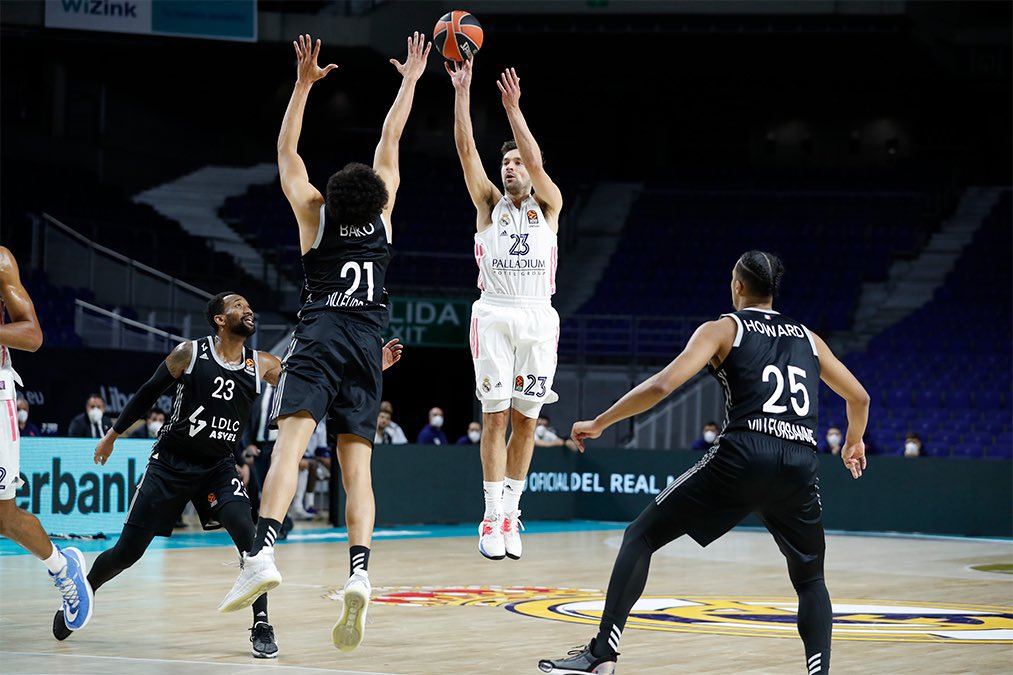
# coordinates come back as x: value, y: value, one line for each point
x: 262, y: 637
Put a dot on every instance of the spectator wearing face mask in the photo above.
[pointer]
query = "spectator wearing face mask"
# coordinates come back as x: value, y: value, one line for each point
x: 473, y: 436
x: 710, y: 434
x: 393, y: 429
x: 432, y: 433
x: 25, y: 428
x: 546, y: 436
x: 912, y: 445
x: 92, y: 423
x: 153, y: 423
x: 833, y: 444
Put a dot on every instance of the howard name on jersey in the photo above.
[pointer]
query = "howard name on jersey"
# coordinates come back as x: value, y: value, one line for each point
x: 212, y: 402
x: 771, y: 377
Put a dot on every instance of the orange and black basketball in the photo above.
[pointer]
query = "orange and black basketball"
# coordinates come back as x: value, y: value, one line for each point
x: 458, y: 35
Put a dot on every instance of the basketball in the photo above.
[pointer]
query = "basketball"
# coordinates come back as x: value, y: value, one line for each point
x: 458, y: 36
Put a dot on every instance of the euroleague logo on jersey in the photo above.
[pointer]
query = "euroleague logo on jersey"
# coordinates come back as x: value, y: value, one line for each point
x: 875, y: 620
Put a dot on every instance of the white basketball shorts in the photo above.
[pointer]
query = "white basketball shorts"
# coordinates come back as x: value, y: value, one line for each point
x: 513, y: 346
x: 10, y: 438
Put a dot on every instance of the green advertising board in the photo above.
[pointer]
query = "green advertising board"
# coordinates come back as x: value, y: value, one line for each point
x: 430, y: 322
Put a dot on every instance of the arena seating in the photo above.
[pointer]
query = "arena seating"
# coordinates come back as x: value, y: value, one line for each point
x: 947, y: 379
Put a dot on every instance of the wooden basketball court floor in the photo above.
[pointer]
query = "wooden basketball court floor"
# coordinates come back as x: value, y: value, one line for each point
x: 469, y: 615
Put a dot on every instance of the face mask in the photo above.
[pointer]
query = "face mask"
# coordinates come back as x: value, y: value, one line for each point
x: 910, y: 449
x: 474, y: 436
x: 437, y: 421
x: 709, y: 436
x: 22, y: 416
x: 95, y: 415
x: 154, y: 427
x: 833, y: 439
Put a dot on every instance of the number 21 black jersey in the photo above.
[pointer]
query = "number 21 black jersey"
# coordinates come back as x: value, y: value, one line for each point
x: 771, y: 377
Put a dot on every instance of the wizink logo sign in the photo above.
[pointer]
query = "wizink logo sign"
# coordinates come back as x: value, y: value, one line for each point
x: 100, y: 8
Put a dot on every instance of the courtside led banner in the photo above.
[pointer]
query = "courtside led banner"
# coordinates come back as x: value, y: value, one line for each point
x: 212, y: 19
x: 71, y: 494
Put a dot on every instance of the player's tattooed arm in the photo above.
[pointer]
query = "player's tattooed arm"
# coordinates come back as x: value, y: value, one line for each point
x: 179, y: 359
x: 270, y: 368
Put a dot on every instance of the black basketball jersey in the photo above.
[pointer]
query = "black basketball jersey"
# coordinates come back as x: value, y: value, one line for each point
x: 346, y: 269
x: 211, y: 404
x: 771, y: 377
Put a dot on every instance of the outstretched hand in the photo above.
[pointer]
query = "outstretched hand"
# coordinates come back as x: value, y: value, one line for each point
x: 854, y: 458
x: 510, y: 86
x: 308, y: 70
x: 460, y: 75
x: 585, y: 430
x: 415, y: 63
x: 392, y: 353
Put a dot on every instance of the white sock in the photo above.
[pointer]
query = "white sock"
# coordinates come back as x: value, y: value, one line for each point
x: 493, y: 490
x: 308, y: 502
x: 56, y: 562
x: 512, y: 490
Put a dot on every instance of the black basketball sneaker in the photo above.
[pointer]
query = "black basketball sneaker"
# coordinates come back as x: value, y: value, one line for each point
x: 262, y: 637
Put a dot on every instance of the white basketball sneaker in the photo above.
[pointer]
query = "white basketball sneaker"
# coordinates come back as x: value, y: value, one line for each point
x: 512, y: 527
x: 347, y: 632
x: 258, y: 575
x: 490, y: 538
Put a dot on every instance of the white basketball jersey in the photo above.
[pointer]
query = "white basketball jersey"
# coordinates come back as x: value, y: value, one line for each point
x: 516, y: 255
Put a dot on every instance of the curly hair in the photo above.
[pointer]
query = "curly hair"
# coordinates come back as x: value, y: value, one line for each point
x: 760, y: 272
x: 355, y: 195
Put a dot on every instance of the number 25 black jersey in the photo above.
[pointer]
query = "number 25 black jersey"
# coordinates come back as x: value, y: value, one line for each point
x: 771, y: 378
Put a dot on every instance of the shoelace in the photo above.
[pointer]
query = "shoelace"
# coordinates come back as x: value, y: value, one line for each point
x: 68, y: 589
x: 577, y: 651
x: 487, y: 527
x: 263, y: 632
x: 507, y: 527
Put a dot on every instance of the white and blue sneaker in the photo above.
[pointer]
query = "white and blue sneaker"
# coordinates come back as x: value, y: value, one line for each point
x: 72, y: 582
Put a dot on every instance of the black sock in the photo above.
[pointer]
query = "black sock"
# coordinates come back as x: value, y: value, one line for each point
x: 267, y: 533
x: 815, y: 624
x: 260, y: 610
x: 358, y: 558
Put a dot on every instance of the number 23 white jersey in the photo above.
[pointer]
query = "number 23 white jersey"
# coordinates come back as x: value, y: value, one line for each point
x: 516, y: 255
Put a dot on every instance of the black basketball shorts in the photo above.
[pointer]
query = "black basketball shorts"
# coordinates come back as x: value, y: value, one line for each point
x: 334, y: 368
x: 746, y: 473
x: 170, y: 481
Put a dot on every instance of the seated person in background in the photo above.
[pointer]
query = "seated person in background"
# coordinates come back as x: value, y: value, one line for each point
x: 25, y: 428
x: 302, y: 504
x: 385, y: 433
x: 473, y: 436
x: 710, y: 434
x: 396, y: 432
x: 833, y: 444
x: 432, y: 433
x: 546, y: 436
x: 912, y: 445
x: 152, y: 425
x: 92, y: 423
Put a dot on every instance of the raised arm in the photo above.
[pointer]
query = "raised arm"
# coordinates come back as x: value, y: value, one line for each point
x: 709, y: 339
x: 484, y: 194
x: 546, y: 192
x: 23, y: 331
x: 385, y: 159
x: 295, y: 182
x: 840, y: 379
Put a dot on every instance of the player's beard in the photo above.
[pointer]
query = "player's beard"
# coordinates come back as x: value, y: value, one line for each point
x: 241, y: 329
